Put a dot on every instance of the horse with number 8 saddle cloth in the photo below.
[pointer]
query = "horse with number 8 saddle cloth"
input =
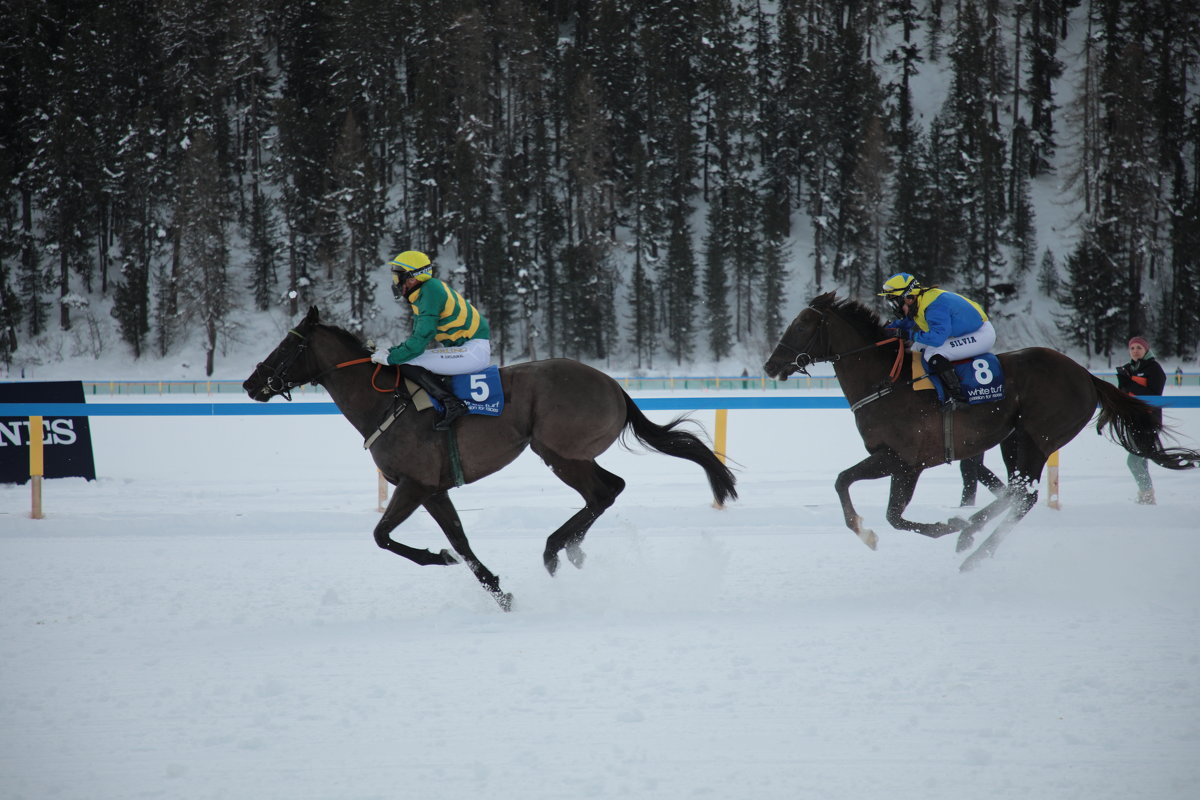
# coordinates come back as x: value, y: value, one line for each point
x: 1034, y: 404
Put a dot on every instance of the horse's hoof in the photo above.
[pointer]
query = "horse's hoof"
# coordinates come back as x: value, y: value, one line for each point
x: 448, y: 558
x: 965, y: 541
x: 974, y: 560
x: 956, y: 523
x: 551, y: 561
x: 868, y: 537
x: 504, y: 600
x: 576, y: 556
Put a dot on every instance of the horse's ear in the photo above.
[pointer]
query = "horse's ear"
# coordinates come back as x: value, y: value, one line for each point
x: 823, y: 300
x: 313, y: 315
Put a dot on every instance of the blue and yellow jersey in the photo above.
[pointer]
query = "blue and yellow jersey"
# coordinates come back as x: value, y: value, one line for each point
x: 943, y: 315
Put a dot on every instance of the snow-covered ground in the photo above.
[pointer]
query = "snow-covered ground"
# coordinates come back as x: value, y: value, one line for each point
x: 211, y: 619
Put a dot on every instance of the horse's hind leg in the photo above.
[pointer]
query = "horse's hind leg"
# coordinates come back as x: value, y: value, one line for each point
x: 1025, y: 462
x: 598, y: 487
x: 1024, y: 498
x: 446, y: 516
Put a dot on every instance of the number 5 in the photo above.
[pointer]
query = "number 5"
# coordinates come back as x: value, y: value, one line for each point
x: 479, y: 388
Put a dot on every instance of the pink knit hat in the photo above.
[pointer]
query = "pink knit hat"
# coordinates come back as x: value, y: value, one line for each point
x: 1140, y: 340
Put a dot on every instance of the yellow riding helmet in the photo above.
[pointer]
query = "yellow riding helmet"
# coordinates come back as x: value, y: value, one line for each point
x: 900, y: 285
x: 411, y: 263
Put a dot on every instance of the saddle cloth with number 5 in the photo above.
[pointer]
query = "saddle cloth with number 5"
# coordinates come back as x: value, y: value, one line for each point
x: 481, y: 391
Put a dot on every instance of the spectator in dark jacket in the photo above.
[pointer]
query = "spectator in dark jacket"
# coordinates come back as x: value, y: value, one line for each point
x: 1143, y: 375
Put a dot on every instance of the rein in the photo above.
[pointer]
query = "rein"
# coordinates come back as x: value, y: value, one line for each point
x: 366, y: 360
x: 802, y: 360
x: 279, y: 382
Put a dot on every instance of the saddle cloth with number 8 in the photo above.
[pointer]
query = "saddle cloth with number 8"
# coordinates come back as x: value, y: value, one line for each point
x: 981, y: 377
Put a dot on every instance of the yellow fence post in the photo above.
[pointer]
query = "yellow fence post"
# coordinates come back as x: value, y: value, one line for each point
x: 719, y: 441
x: 1052, y: 481
x: 36, y: 465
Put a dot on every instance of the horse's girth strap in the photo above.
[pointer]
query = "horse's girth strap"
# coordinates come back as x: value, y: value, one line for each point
x: 948, y: 433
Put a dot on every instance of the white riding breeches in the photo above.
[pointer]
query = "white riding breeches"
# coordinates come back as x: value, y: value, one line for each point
x: 969, y: 345
x: 471, y: 356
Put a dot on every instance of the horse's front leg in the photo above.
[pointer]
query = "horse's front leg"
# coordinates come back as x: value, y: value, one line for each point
x: 407, y: 498
x: 880, y: 463
x: 446, y: 516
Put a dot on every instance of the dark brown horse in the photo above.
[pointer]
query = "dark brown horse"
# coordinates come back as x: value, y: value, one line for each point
x: 1049, y: 399
x: 567, y: 412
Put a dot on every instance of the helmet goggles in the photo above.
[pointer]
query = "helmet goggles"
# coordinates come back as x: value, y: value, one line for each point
x: 409, y: 264
x: 898, y: 287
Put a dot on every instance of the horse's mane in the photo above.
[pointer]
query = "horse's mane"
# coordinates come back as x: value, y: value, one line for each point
x: 861, y: 318
x: 348, y: 338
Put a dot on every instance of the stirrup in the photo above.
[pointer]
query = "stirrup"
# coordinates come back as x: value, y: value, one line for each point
x: 454, y: 407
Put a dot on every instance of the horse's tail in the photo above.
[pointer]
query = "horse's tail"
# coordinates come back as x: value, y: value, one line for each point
x: 681, y: 444
x: 1136, y: 426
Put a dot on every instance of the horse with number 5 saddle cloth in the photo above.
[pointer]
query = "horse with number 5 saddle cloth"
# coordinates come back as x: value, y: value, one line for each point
x: 566, y: 412
x: 1046, y: 400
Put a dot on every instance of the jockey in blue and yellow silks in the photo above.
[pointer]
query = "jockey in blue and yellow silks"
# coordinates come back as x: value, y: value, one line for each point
x: 945, y: 326
x: 441, y: 317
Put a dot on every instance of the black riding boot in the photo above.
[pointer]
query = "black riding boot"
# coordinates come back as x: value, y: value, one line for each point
x: 454, y: 407
x: 942, y: 367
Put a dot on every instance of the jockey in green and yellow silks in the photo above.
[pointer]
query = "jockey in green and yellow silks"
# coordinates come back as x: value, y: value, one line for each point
x: 443, y: 318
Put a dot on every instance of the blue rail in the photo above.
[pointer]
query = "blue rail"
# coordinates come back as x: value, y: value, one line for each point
x: 315, y: 408
x: 683, y: 383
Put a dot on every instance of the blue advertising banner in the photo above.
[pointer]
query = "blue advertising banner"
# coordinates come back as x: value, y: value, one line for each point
x: 66, y: 441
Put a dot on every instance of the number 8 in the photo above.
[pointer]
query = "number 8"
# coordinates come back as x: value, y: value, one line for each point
x: 983, y: 374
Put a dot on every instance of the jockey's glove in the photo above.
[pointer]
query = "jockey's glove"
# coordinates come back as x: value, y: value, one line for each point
x: 380, y: 356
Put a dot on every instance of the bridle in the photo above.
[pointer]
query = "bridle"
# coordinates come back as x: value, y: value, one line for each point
x: 277, y: 381
x: 802, y: 360
x: 280, y: 384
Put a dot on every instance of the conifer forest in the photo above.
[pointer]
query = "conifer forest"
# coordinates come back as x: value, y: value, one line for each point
x: 647, y: 181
